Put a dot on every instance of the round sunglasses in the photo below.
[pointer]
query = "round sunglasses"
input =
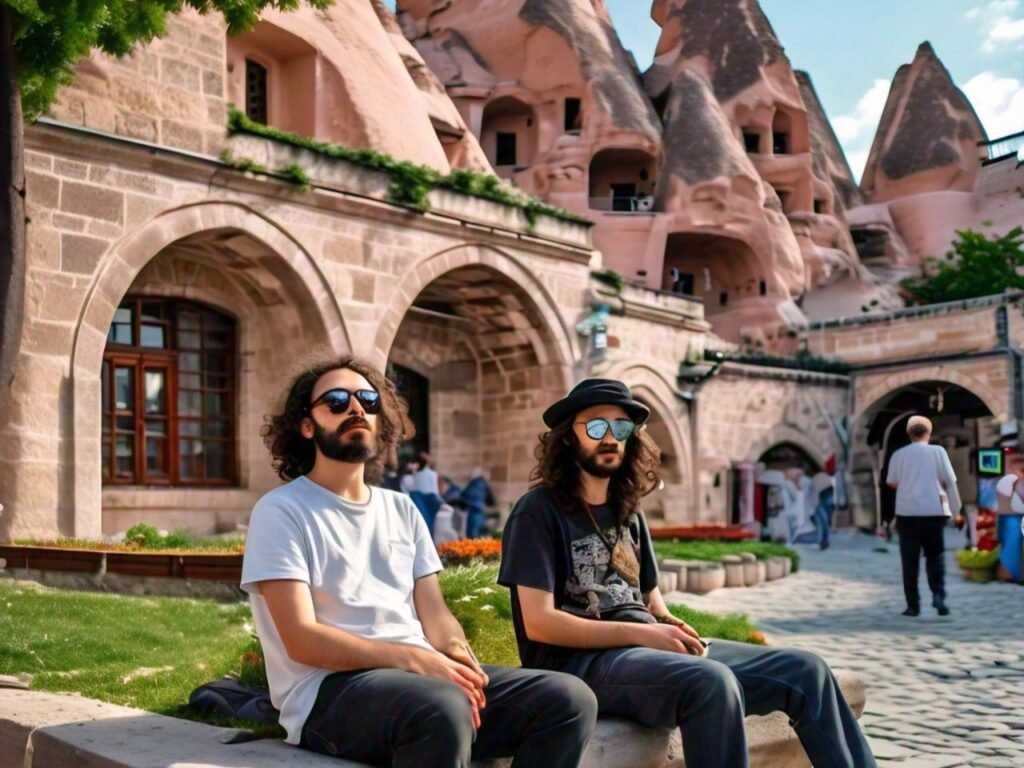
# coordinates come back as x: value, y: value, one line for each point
x: 597, y: 428
x: 338, y: 400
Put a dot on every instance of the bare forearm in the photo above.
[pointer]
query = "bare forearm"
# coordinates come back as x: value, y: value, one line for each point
x: 443, y: 631
x: 334, y: 649
x: 568, y: 631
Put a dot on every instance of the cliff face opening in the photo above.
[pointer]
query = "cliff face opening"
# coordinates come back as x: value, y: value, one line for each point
x: 272, y: 76
x: 509, y: 135
x: 719, y: 270
x: 623, y: 180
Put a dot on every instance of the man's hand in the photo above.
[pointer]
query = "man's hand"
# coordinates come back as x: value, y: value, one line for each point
x: 435, y: 664
x: 671, y: 637
x: 460, y: 651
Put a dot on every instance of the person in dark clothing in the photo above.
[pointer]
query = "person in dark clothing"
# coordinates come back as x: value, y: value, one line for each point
x: 578, y: 560
x: 476, y: 496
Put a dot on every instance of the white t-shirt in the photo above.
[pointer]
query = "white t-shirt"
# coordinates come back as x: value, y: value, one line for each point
x: 1005, y: 487
x: 918, y: 470
x: 361, y: 562
x: 425, y: 481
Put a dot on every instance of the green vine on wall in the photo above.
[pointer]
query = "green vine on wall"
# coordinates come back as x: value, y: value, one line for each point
x: 293, y: 172
x: 411, y: 183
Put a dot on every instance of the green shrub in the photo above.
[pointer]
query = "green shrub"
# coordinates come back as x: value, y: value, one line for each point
x: 411, y: 183
x: 144, y: 536
x: 977, y: 558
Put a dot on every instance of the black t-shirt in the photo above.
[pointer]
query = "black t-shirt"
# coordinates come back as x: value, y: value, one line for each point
x: 545, y: 547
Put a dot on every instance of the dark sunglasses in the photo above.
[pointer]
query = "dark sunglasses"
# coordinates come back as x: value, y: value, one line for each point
x: 338, y: 400
x: 598, y: 428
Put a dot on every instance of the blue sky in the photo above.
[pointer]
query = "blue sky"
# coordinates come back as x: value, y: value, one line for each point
x: 852, y: 48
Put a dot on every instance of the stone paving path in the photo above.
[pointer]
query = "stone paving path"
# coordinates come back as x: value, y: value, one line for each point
x: 941, y: 692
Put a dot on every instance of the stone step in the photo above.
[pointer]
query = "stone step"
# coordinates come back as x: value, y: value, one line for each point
x: 46, y: 730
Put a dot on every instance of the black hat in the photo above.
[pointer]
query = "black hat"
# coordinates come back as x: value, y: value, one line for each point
x: 596, y: 392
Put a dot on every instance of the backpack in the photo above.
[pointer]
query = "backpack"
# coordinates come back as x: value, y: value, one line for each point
x: 230, y: 698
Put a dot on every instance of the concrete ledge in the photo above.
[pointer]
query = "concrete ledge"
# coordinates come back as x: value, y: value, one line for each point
x: 46, y: 730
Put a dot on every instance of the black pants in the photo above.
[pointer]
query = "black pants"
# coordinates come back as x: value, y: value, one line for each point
x: 707, y: 698
x: 917, y: 533
x: 387, y: 717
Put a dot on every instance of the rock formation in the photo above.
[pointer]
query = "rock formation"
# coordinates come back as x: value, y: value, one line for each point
x: 927, y: 139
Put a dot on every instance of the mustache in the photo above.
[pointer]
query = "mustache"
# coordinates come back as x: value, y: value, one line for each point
x: 351, y: 423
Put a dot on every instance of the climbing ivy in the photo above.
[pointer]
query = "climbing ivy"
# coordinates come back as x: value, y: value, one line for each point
x: 410, y: 182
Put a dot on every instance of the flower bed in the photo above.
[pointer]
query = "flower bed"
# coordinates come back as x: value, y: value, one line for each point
x: 703, y: 533
x: 465, y: 551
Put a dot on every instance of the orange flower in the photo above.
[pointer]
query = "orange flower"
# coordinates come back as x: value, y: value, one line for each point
x: 464, y: 550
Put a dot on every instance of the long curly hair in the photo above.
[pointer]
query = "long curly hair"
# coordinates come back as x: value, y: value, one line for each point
x: 293, y: 454
x: 558, y: 471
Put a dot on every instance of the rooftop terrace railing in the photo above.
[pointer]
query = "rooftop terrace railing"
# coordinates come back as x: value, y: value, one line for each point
x: 997, y: 149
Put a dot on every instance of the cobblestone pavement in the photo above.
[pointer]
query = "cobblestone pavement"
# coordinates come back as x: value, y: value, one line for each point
x: 941, y: 692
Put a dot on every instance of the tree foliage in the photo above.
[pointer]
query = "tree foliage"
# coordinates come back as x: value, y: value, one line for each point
x: 50, y: 36
x: 977, y: 266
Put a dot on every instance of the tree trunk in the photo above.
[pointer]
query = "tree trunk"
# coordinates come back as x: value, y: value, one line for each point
x: 12, y: 212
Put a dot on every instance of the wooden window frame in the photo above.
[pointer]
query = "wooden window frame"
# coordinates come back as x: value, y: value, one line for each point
x: 139, y: 359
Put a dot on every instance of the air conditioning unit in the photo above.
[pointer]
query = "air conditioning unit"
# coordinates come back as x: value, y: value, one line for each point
x: 645, y: 203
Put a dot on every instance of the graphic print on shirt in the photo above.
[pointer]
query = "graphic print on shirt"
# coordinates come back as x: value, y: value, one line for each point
x: 595, y: 587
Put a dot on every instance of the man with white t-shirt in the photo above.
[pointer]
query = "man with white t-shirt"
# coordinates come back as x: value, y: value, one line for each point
x: 926, y: 497
x: 364, y: 659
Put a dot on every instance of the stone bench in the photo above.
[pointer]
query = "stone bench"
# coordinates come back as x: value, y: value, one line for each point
x: 45, y: 730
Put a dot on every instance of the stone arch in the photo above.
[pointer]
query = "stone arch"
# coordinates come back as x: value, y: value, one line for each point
x: 671, y: 431
x: 496, y: 352
x: 248, y: 251
x: 424, y: 272
x: 874, y: 393
x: 784, y: 433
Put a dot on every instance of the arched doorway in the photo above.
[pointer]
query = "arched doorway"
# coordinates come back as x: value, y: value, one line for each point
x: 509, y: 135
x: 721, y: 271
x: 487, y: 356
x: 668, y: 505
x: 239, y: 264
x: 962, y: 423
x: 623, y: 180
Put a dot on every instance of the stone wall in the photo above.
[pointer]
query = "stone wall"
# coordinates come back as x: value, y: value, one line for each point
x: 905, y: 335
x: 303, y: 273
x: 169, y: 92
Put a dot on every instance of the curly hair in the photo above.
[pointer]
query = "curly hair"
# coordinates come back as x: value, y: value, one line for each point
x: 293, y: 454
x: 557, y: 470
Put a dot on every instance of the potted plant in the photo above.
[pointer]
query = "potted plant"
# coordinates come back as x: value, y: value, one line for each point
x: 977, y: 564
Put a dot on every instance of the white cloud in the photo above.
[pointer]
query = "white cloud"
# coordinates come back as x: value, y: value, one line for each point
x: 857, y: 159
x: 856, y: 130
x: 865, y: 115
x: 999, y: 102
x: 1001, y: 23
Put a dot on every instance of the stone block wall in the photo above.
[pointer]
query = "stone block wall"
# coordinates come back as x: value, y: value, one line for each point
x: 169, y: 92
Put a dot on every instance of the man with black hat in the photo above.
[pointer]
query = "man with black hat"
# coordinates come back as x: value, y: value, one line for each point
x: 578, y: 559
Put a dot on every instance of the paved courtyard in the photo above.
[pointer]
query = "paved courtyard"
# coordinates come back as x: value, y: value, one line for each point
x: 941, y: 692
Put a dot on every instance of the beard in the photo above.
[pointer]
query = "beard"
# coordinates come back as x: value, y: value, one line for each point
x: 358, y: 449
x: 593, y: 464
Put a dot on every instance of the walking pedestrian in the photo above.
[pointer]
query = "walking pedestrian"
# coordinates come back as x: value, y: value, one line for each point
x: 823, y: 489
x: 926, y: 497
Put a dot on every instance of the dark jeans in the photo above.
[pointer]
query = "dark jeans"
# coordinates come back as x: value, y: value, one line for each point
x: 393, y: 718
x: 823, y: 517
x: 707, y: 699
x: 917, y: 533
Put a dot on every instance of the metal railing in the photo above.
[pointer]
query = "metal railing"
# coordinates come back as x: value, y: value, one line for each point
x: 1005, y: 145
x: 639, y: 204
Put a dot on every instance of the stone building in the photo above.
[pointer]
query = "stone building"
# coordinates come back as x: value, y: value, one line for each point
x: 177, y: 273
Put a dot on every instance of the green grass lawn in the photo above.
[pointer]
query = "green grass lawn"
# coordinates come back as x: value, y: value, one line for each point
x: 151, y: 652
x: 712, y: 551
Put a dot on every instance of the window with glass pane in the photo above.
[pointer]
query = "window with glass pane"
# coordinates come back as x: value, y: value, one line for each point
x: 168, y: 395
